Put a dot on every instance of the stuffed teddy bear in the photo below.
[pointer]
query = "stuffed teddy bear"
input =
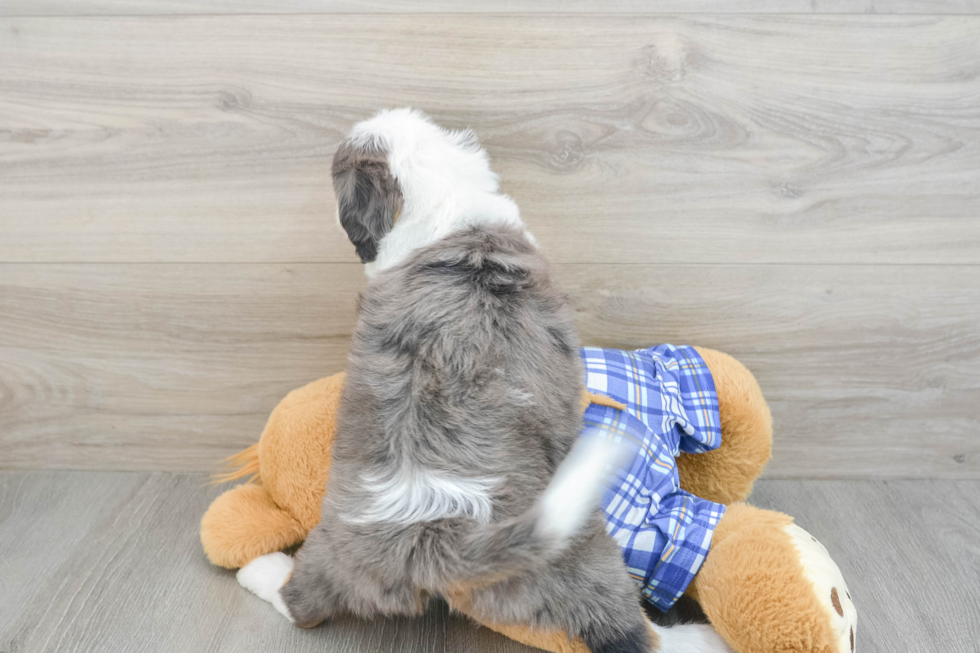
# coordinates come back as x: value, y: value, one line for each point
x: 765, y: 584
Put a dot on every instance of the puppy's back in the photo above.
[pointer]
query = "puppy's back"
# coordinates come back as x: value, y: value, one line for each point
x: 464, y: 368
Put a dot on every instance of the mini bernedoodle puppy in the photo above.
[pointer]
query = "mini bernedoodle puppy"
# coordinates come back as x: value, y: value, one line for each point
x: 454, y: 471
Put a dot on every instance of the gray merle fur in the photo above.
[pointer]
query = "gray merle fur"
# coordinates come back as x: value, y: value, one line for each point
x: 464, y: 361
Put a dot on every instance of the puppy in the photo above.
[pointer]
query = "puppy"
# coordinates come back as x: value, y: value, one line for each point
x: 454, y: 471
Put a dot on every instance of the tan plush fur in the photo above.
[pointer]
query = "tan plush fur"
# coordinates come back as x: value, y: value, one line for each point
x: 753, y: 589
x: 289, y: 469
x: 548, y: 640
x: 726, y: 475
x: 751, y: 585
x: 245, y: 523
x: 294, y: 449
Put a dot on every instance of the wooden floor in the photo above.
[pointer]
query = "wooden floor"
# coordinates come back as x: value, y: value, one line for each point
x: 95, y: 561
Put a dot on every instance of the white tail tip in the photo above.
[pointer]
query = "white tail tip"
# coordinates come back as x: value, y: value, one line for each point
x: 578, y: 484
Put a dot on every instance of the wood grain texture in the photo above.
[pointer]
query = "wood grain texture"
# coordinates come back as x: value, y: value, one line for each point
x: 159, y: 366
x: 798, y: 190
x: 190, y: 7
x: 690, y: 139
x: 908, y: 550
x: 871, y: 371
x: 112, y: 562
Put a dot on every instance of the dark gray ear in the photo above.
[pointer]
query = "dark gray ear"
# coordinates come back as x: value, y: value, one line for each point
x: 368, y: 197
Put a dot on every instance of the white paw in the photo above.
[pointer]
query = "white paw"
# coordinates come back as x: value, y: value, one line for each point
x: 691, y: 638
x: 828, y: 586
x: 265, y: 576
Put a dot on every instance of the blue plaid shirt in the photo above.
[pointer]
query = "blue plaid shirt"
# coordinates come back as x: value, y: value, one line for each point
x: 671, y: 406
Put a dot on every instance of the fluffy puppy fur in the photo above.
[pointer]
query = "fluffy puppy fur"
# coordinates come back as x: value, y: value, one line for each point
x: 403, y: 182
x: 452, y: 473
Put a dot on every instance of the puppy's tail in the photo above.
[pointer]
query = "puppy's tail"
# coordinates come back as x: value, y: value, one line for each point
x: 545, y: 530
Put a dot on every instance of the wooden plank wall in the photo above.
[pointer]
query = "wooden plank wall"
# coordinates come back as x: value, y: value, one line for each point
x: 801, y: 190
x: 635, y: 7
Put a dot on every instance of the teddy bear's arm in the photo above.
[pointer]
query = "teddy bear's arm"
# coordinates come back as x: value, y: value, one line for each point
x: 726, y: 475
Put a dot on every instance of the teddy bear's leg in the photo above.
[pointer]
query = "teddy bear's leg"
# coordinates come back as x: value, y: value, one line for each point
x: 555, y: 641
x: 245, y: 523
x: 589, y: 595
x: 726, y: 475
x: 588, y: 592
x: 693, y: 637
x: 768, y: 586
x: 546, y: 640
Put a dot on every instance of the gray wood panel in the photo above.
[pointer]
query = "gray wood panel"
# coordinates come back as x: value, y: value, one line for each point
x: 909, y: 553
x: 111, y: 562
x: 159, y: 366
x: 871, y: 371
x: 724, y: 139
x: 185, y: 7
x: 96, y: 562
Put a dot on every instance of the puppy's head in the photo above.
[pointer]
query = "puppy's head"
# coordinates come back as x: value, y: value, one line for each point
x: 403, y: 182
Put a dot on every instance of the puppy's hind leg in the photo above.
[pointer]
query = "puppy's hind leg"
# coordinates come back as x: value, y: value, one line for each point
x: 636, y: 640
x: 606, y: 610
x: 310, y: 594
x: 586, y: 593
x: 602, y: 601
x: 299, y: 588
x: 318, y: 588
x: 265, y: 577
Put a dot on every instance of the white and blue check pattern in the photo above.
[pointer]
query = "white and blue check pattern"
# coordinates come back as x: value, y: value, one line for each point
x: 671, y: 406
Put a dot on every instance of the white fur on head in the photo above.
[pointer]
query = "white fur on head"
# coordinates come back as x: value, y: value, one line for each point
x: 444, y: 177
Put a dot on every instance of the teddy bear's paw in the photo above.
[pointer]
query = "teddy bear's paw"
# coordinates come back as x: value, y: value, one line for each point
x: 690, y: 638
x: 829, y: 586
x: 265, y: 576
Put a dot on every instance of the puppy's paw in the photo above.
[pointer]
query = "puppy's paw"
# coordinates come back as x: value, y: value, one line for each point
x: 691, y: 638
x: 265, y: 576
